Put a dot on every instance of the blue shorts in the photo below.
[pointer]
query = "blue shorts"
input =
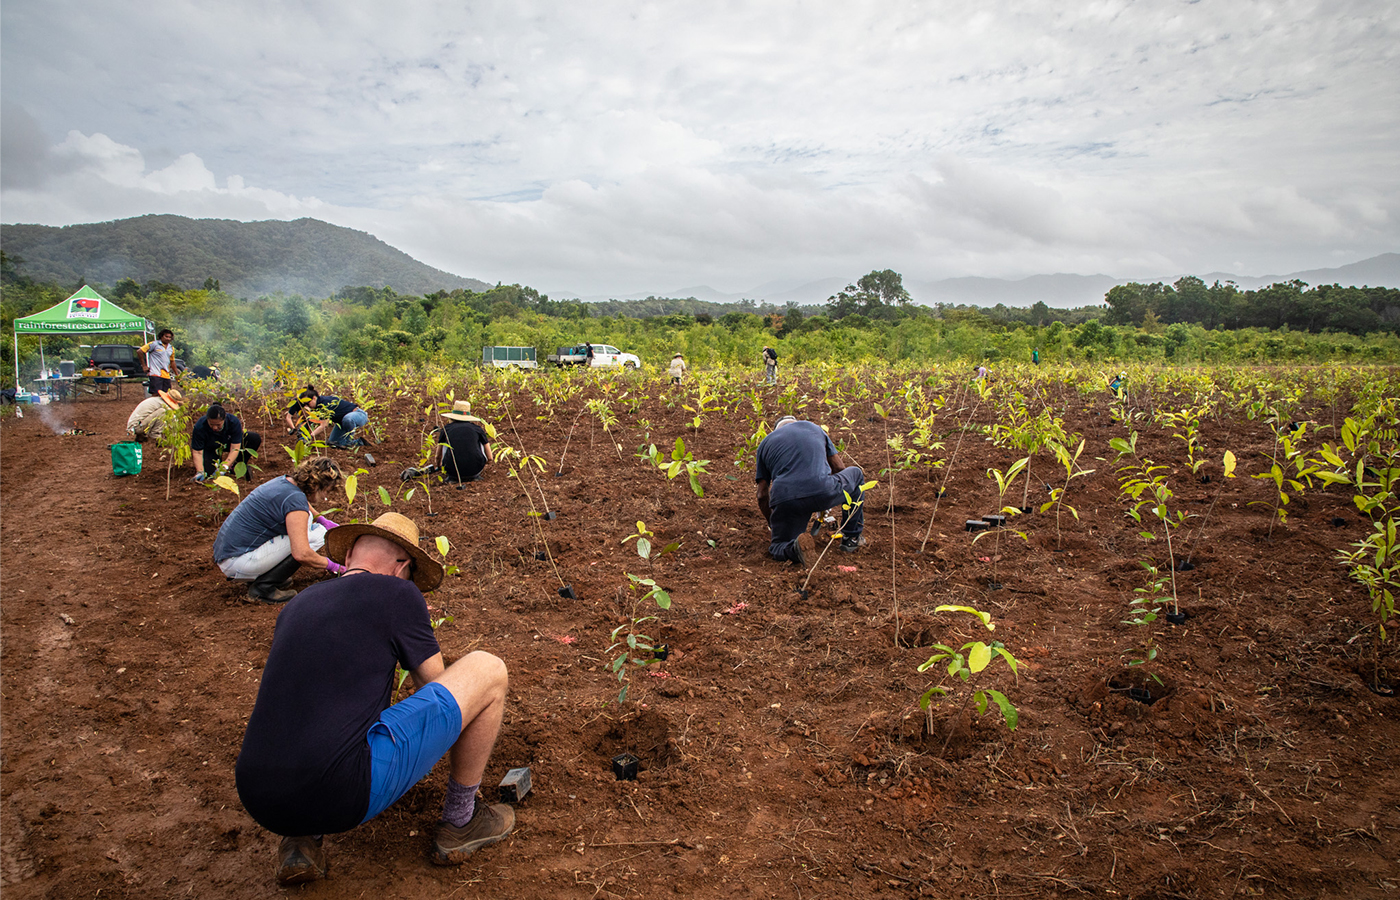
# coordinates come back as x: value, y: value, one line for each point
x: 407, y: 741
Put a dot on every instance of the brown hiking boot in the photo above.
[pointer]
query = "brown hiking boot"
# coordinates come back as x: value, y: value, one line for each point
x: 804, y: 550
x: 489, y: 824
x: 300, y: 860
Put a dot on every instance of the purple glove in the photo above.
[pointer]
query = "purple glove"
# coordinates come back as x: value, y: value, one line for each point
x: 325, y: 523
x: 334, y: 567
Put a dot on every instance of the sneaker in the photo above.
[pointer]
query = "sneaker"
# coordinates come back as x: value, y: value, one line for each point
x: 489, y: 824
x: 803, y: 549
x: 301, y: 860
x: 852, y: 544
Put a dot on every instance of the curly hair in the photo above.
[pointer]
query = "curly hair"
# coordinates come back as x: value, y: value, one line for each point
x: 316, y: 474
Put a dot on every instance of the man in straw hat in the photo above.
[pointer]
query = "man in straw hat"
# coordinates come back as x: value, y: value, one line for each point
x: 324, y: 751
x: 463, y: 448
x: 677, y: 368
x: 148, y: 418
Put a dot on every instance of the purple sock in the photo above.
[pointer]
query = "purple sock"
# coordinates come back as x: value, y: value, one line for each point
x: 460, y: 803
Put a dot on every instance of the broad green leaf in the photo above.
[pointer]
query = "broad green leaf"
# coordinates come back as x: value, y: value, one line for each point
x: 1008, y: 712
x: 384, y: 496
x: 443, y: 545
x: 980, y: 656
x: 351, y: 482
x: 227, y: 484
x: 985, y: 618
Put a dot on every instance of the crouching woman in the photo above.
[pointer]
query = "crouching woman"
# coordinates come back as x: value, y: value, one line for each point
x: 275, y: 530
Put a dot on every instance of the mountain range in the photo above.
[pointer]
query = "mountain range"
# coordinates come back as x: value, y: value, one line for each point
x: 317, y: 259
x: 248, y: 259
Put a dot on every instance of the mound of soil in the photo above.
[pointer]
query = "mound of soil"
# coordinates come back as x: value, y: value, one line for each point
x: 782, y: 750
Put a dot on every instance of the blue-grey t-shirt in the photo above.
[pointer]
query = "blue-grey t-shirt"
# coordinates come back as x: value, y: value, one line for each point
x: 793, y: 459
x: 260, y: 517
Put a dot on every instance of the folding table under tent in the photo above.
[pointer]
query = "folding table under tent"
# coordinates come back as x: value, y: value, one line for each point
x: 85, y: 312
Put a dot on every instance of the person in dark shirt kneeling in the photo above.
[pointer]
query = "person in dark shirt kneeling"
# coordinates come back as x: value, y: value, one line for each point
x: 463, y: 448
x: 325, y: 751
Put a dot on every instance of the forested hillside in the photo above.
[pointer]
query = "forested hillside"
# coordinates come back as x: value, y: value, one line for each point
x: 244, y: 259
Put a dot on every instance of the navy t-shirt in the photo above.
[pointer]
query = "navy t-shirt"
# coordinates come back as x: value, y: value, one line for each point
x: 466, y: 449
x: 305, y: 764
x: 328, y: 404
x: 793, y: 459
x: 203, y: 436
x: 259, y: 517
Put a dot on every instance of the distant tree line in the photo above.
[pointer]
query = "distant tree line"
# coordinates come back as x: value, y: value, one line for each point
x: 365, y: 327
x: 1291, y: 304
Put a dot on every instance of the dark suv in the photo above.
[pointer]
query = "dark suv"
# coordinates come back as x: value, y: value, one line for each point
x: 116, y: 356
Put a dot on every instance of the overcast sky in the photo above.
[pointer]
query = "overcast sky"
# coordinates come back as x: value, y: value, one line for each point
x: 606, y: 147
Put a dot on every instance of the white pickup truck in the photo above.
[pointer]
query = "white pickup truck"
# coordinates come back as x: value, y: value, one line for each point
x: 604, y: 357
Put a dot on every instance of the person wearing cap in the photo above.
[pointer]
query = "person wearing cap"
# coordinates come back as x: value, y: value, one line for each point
x: 1115, y: 387
x: 219, y: 443
x: 312, y: 412
x: 677, y: 369
x: 770, y: 365
x: 147, y: 420
x: 463, y: 447
x: 274, y: 531
x: 324, y: 751
x: 799, y: 472
x: 156, y: 358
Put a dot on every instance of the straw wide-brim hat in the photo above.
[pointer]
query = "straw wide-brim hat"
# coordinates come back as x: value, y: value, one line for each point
x: 392, y: 527
x: 461, y: 412
x: 173, y: 398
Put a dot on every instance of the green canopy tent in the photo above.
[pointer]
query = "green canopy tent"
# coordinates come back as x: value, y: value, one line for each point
x: 85, y: 312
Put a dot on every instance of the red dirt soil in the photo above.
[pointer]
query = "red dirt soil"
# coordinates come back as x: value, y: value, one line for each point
x: 782, y: 750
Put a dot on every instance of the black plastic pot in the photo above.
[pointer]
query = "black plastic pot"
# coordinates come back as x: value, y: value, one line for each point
x: 1205, y: 479
x: 1177, y: 618
x: 1140, y: 694
x: 995, y: 585
x: 369, y: 458
x: 624, y: 766
x: 1184, y: 565
x: 1339, y: 522
x: 660, y: 652
x: 541, y: 555
x: 515, y: 785
x: 567, y: 592
x: 1026, y: 510
x: 996, y: 521
x: 549, y: 516
x: 975, y: 525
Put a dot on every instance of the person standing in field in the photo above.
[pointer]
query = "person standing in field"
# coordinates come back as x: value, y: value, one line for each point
x: 770, y: 365
x: 677, y: 369
x: 325, y: 751
x: 157, y: 358
x: 979, y: 373
x: 1035, y: 357
x: 799, y: 473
